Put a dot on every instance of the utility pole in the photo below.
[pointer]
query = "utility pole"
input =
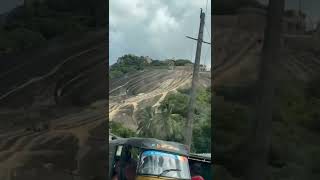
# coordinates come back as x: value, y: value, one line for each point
x: 300, y: 13
x: 261, y: 127
x: 195, y: 79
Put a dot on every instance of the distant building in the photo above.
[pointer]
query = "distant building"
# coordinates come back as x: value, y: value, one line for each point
x: 294, y: 22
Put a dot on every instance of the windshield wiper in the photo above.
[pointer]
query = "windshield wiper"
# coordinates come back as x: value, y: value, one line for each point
x: 168, y: 170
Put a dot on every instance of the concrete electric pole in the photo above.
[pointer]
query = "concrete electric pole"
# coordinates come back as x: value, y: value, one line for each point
x: 195, y: 79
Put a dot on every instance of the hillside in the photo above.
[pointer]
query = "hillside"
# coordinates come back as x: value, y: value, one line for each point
x: 52, y: 110
x: 135, y: 91
x: 295, y: 127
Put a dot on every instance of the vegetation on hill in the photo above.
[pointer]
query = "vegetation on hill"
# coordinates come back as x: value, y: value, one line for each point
x: 121, y: 131
x: 172, y: 117
x: 295, y: 133
x: 131, y: 63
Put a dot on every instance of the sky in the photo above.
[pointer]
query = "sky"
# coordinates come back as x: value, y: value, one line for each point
x: 7, y: 5
x: 310, y: 7
x: 157, y: 28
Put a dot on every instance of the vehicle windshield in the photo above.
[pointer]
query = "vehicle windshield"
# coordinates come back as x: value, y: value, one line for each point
x: 163, y: 164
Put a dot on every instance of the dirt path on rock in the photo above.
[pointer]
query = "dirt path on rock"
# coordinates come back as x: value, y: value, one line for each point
x: 179, y: 79
x: 17, y: 148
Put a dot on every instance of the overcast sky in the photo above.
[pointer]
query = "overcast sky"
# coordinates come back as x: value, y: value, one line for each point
x: 310, y: 7
x: 157, y: 28
x: 7, y: 5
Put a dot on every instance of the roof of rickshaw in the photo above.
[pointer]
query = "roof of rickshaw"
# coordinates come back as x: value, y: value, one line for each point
x: 152, y: 143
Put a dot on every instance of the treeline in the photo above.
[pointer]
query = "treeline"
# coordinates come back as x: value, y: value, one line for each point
x: 132, y: 63
x: 172, y: 117
x: 33, y: 23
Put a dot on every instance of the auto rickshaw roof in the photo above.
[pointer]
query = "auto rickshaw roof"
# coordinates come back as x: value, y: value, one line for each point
x: 205, y: 157
x: 152, y: 143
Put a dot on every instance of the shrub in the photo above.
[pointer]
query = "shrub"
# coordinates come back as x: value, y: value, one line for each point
x: 182, y: 62
x: 119, y: 130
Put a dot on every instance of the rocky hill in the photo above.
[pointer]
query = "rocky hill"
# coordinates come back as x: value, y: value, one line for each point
x: 53, y: 110
x: 237, y: 54
x: 138, y: 90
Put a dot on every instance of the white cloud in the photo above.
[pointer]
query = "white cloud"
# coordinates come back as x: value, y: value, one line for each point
x: 163, y: 22
x: 156, y: 28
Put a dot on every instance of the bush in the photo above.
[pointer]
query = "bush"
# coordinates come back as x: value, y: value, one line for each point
x: 127, y: 63
x: 158, y: 63
x: 182, y: 62
x: 231, y: 121
x: 173, y: 119
x: 119, y: 130
x: 115, y: 74
x: 202, y: 137
x: 178, y: 102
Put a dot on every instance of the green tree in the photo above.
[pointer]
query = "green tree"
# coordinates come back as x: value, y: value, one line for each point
x: 169, y: 122
x: 182, y: 62
x: 178, y: 102
x: 121, y: 131
x: 146, y: 119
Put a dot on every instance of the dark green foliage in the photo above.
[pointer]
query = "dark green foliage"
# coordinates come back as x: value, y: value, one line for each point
x: 172, y: 118
x: 147, y: 120
x: 49, y: 19
x: 152, y: 124
x: 184, y: 91
x: 115, y: 73
x: 127, y: 63
x: 298, y: 104
x: 295, y: 128
x: 132, y: 63
x: 121, y: 131
x: 130, y: 59
x: 182, y: 62
x: 158, y: 63
x: 202, y: 137
x: 231, y: 121
x: 178, y: 102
